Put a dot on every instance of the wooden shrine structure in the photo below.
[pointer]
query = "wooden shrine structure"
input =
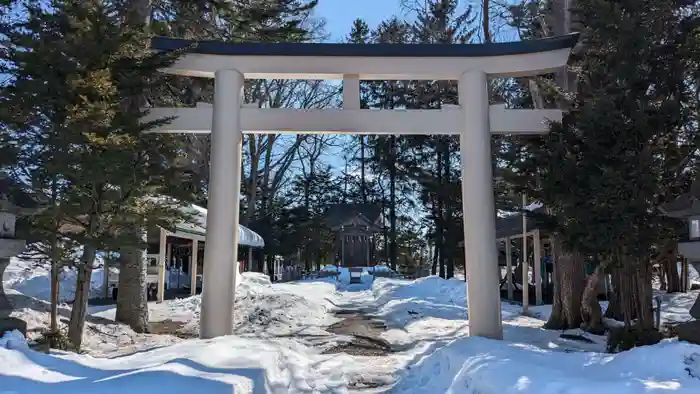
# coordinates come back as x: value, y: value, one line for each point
x: 178, y: 253
x: 175, y: 255
x: 523, y: 226
x: 535, y: 255
x: 354, y: 227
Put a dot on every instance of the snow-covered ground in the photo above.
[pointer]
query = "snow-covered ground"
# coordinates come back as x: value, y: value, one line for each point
x: 281, y: 338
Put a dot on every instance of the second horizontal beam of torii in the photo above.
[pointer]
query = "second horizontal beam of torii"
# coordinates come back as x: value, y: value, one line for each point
x: 446, y: 121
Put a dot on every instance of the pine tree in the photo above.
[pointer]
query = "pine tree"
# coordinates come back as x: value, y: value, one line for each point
x: 73, y: 69
x: 607, y: 166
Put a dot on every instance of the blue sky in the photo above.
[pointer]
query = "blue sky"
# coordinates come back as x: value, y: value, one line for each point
x: 340, y: 14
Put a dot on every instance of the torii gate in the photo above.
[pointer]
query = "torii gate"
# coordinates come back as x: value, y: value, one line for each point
x: 474, y: 120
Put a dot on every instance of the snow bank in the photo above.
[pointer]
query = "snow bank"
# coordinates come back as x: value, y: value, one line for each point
x: 366, y: 277
x: 261, y: 307
x: 222, y: 365
x: 13, y: 340
x: 34, y: 280
x: 481, y: 366
x: 381, y: 268
x: 402, y: 301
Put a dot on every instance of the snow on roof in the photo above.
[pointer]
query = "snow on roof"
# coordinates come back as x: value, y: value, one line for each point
x: 197, y: 225
x: 534, y: 206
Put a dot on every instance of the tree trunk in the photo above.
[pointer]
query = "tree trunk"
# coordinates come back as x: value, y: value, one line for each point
x: 662, y: 277
x: 449, y: 243
x: 673, y: 278
x: 436, y: 258
x: 55, y: 286
x: 440, y: 224
x: 270, y: 265
x: 132, y: 306
x: 643, y: 296
x: 591, y: 313
x: 55, y: 289
x: 253, y: 186
x: 82, y: 294
x: 614, y: 310
x: 392, y: 203
x: 363, y: 185
x: 569, y: 283
x: 132, y: 299
x: 633, y: 295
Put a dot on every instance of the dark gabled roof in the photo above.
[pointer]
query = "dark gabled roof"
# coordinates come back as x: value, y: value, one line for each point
x: 338, y: 213
x: 365, y: 50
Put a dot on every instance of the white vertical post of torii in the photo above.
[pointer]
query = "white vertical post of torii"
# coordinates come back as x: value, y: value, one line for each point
x: 221, y: 250
x: 474, y: 121
x: 480, y: 250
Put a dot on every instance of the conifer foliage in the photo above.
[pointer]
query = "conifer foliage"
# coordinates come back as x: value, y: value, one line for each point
x: 72, y: 70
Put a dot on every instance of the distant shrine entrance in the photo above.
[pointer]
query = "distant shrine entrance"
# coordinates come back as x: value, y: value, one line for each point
x: 354, y: 228
x: 474, y: 121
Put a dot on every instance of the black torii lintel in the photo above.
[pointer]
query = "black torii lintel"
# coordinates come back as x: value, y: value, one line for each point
x: 365, y: 50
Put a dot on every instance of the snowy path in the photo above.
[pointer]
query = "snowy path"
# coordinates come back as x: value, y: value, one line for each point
x: 282, y: 341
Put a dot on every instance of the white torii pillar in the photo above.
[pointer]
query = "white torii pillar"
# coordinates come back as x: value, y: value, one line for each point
x: 480, y: 250
x: 221, y: 251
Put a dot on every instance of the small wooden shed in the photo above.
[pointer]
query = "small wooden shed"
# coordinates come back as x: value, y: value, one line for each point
x: 176, y: 256
x: 523, y: 226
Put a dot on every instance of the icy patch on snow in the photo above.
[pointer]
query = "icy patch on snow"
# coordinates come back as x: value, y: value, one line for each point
x: 481, y: 366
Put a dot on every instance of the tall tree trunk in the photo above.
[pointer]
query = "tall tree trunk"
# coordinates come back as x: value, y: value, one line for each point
x: 667, y: 261
x: 363, y: 183
x: 672, y: 275
x: 436, y: 258
x: 269, y: 258
x: 614, y: 310
x: 662, y: 277
x: 591, y: 313
x: 132, y: 298
x: 55, y: 287
x: 82, y: 294
x: 633, y: 295
x: 569, y: 283
x: 568, y: 270
x: 643, y: 296
x: 447, y: 215
x: 392, y: 203
x: 439, y: 217
x: 253, y: 185
x: 132, y: 301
